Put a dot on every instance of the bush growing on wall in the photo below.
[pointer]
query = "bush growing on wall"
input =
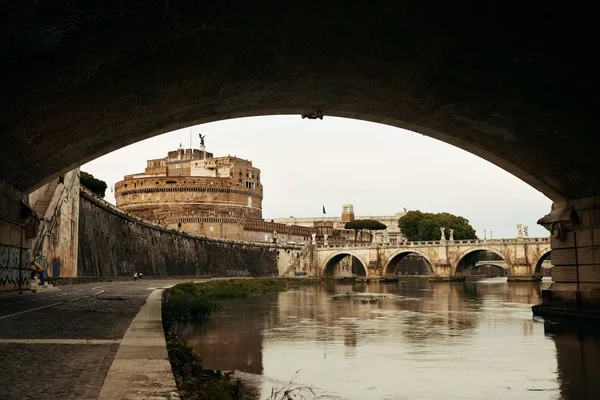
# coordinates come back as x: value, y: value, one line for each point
x: 97, y: 186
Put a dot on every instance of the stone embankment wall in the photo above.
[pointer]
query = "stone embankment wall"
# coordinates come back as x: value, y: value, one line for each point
x: 115, y: 243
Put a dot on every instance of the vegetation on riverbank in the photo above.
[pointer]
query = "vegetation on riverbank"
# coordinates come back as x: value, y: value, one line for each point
x: 196, y: 302
x: 196, y: 382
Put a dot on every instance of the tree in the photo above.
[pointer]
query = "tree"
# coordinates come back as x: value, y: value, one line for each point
x: 370, y: 225
x: 97, y: 186
x: 417, y: 225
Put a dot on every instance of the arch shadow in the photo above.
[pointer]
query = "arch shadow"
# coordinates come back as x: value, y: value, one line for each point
x: 393, y: 263
x: 468, y: 260
x: 538, y: 264
x: 353, y: 267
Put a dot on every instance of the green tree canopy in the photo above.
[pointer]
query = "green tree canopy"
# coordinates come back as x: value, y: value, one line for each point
x: 365, y: 225
x: 417, y: 225
x: 97, y: 186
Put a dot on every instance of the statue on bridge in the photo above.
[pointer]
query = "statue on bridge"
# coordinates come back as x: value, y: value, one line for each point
x: 519, y: 230
x: 525, y: 233
x: 443, y: 237
x: 451, y: 232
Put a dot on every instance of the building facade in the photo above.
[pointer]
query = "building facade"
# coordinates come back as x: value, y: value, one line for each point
x: 334, y: 226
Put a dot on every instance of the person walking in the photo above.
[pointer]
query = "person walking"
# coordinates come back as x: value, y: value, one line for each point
x: 135, y: 276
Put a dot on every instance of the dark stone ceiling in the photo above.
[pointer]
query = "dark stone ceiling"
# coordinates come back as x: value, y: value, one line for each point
x: 510, y: 82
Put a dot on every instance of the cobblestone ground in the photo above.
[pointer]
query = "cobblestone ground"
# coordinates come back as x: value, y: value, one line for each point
x: 101, y: 317
x: 49, y: 371
x: 65, y: 371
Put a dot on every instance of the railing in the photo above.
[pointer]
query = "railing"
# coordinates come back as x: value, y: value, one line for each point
x: 436, y: 243
x: 260, y: 225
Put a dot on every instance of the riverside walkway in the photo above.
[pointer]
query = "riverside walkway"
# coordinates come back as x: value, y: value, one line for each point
x: 61, y: 344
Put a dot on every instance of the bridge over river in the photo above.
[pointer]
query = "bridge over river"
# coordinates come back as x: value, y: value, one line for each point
x: 522, y: 256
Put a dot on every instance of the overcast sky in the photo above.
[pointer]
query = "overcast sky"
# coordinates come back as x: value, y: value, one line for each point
x: 306, y: 164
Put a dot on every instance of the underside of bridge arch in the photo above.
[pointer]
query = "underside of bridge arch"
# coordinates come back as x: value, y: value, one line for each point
x: 482, y: 262
x: 344, y: 265
x: 409, y: 263
x: 510, y: 85
x: 541, y: 267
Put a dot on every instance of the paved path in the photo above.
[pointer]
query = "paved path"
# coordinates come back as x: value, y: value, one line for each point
x: 64, y: 351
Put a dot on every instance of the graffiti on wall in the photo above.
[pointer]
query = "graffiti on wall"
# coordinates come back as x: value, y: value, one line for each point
x: 10, y: 269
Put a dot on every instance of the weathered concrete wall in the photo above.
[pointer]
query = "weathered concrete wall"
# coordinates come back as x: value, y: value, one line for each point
x: 115, y: 243
x: 55, y: 246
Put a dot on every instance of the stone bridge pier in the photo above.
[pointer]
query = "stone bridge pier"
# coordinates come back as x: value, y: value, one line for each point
x: 574, y: 227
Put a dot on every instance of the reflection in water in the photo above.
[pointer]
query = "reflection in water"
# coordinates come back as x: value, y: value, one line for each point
x: 578, y: 356
x: 474, y: 340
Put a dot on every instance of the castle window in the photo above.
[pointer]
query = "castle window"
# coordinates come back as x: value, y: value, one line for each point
x: 249, y: 185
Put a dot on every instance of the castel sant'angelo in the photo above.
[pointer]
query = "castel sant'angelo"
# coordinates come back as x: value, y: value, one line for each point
x: 219, y: 197
x: 195, y: 192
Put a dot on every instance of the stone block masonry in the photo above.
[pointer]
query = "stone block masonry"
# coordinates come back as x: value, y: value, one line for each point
x: 115, y: 243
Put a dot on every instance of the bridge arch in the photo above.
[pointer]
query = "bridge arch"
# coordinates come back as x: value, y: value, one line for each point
x: 464, y: 258
x: 393, y: 260
x: 122, y: 91
x: 357, y: 266
x: 538, y: 263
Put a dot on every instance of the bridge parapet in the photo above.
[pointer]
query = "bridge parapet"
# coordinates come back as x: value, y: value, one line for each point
x: 436, y: 243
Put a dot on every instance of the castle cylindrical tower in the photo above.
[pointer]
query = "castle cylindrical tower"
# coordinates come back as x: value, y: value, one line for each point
x: 192, y: 191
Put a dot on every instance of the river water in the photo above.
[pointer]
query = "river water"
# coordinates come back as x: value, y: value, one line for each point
x: 424, y: 340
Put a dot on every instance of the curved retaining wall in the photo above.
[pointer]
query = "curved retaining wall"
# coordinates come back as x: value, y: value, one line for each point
x: 115, y: 243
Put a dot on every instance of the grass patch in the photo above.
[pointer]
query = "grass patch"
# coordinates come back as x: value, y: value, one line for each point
x: 195, y: 302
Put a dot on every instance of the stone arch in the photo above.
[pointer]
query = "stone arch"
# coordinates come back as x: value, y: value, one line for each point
x: 540, y: 260
x: 399, y: 254
x: 127, y: 85
x: 458, y: 268
x: 332, y: 260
